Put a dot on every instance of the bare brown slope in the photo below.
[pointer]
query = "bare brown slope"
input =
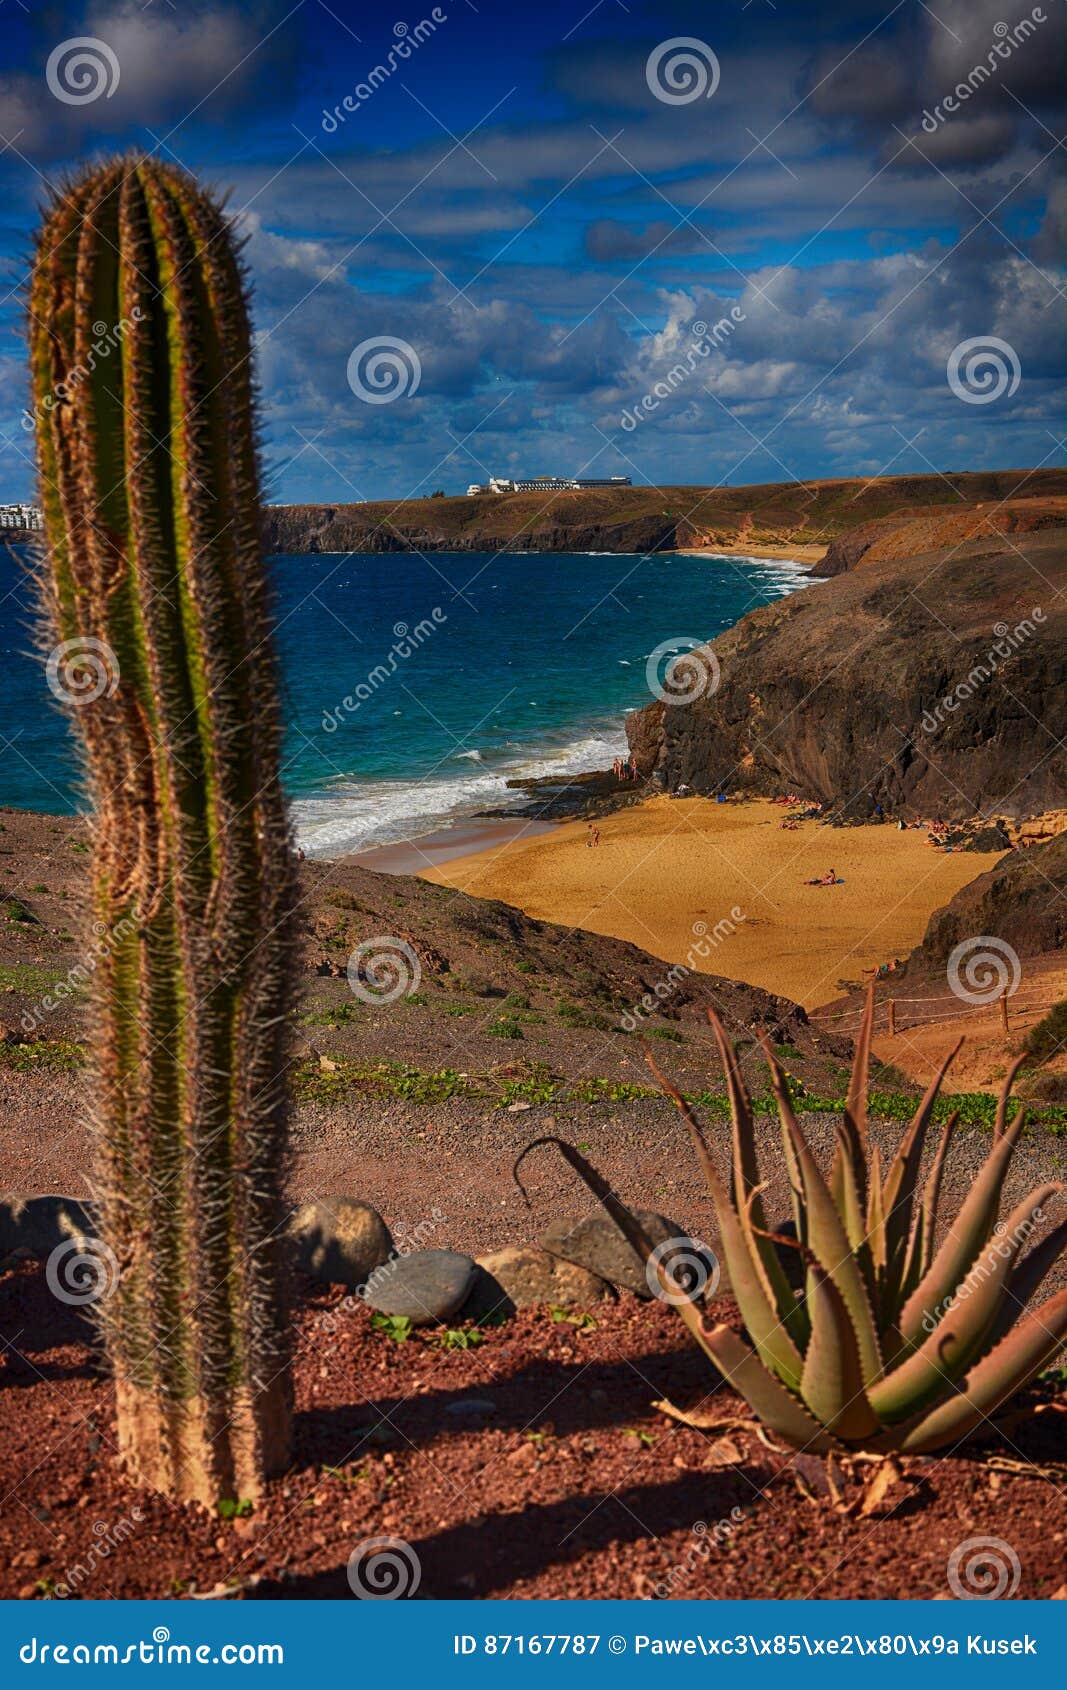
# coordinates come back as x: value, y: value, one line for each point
x: 640, y: 519
x: 839, y: 692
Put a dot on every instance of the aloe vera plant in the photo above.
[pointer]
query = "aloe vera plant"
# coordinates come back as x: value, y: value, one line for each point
x: 156, y: 596
x: 907, y: 1336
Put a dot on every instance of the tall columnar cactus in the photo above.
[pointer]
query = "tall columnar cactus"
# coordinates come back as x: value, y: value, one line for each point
x: 158, y: 611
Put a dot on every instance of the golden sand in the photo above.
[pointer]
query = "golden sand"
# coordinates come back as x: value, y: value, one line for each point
x: 768, y: 549
x: 671, y: 872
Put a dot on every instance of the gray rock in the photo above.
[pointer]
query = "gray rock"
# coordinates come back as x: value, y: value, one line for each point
x: 425, y: 1286
x: 340, y: 1240
x: 40, y: 1223
x: 471, y: 1408
x: 594, y: 1242
x: 524, y: 1277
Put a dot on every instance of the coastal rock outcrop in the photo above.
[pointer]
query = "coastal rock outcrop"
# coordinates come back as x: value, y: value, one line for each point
x: 645, y: 519
x: 934, y: 683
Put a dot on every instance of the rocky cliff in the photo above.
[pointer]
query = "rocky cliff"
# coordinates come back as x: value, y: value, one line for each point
x: 934, y: 683
x: 640, y: 519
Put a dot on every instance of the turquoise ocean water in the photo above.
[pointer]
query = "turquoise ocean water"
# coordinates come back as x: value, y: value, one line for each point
x: 416, y: 685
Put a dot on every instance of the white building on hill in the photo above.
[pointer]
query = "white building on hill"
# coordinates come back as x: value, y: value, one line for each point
x: 543, y: 484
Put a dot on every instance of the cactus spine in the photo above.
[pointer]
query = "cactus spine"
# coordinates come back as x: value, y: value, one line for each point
x: 149, y: 480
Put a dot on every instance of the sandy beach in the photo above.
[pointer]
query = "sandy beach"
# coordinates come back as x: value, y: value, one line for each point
x: 672, y: 872
x: 769, y: 550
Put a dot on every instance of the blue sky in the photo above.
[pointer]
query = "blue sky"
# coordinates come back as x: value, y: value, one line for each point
x: 517, y: 205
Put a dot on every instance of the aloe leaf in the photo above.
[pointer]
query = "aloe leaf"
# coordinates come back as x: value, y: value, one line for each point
x: 964, y: 1239
x: 855, y: 1116
x: 1026, y: 1279
x: 826, y: 1234
x: 1000, y: 1124
x: 958, y: 1329
x: 1027, y: 1349
x: 832, y: 1381
x: 746, y: 1192
x: 898, y: 1197
x: 766, y: 1324
x: 776, y: 1406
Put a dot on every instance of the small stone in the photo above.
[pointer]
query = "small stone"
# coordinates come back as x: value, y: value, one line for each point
x: 471, y: 1408
x: 425, y: 1286
x: 525, y: 1277
x: 594, y: 1242
x: 340, y: 1240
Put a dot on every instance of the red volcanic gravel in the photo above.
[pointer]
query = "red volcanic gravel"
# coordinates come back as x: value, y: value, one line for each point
x: 532, y: 1465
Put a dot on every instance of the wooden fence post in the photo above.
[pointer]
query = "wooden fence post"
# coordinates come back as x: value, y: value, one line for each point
x: 892, y: 1019
x: 1004, y: 1009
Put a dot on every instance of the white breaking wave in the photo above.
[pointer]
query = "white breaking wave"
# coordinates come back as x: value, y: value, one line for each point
x: 351, y: 815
